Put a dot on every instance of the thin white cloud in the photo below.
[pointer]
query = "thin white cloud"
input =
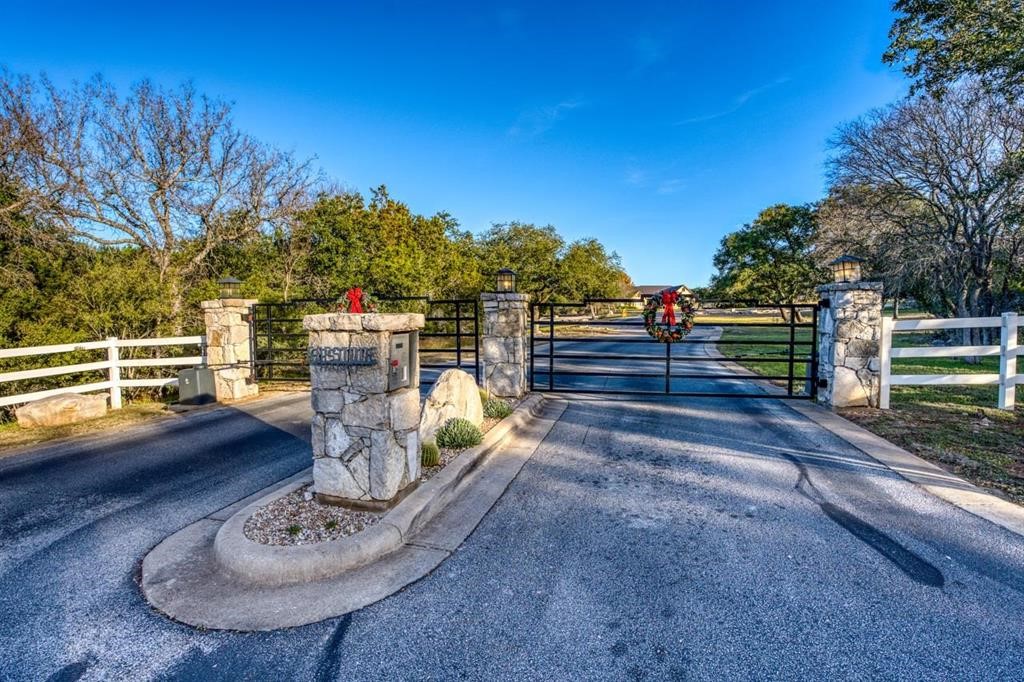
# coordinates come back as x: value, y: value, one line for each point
x: 539, y: 120
x: 671, y: 185
x: 738, y: 102
x: 636, y: 177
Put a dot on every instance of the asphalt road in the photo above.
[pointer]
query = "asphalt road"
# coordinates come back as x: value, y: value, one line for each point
x: 682, y: 538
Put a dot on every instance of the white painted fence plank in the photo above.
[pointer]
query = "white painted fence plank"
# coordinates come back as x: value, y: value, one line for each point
x: 168, y: 341
x: 21, y: 375
x: 944, y: 379
x: 38, y: 395
x: 946, y: 323
x: 112, y: 365
x: 137, y: 383
x: 162, y: 362
x: 944, y: 351
x: 49, y: 350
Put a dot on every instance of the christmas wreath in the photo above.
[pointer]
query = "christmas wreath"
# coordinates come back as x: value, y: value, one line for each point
x: 356, y: 300
x: 671, y: 329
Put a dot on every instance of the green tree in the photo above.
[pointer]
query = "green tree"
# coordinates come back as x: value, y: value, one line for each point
x: 533, y: 252
x: 770, y: 259
x: 587, y: 270
x: 941, y: 41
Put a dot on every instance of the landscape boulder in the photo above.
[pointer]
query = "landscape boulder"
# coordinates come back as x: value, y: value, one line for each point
x: 58, y: 410
x: 455, y: 394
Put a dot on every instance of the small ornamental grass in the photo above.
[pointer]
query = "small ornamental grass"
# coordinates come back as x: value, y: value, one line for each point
x: 497, y: 408
x: 458, y: 433
x: 430, y: 454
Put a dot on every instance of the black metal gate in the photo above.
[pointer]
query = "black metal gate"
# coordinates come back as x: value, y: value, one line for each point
x: 278, y: 343
x: 737, y: 349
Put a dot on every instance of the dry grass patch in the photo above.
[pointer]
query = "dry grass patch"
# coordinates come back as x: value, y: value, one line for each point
x: 958, y: 429
x: 13, y: 437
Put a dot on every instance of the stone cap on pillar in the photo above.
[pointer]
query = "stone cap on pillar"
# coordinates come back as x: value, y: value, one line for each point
x: 368, y: 322
x: 228, y: 303
x: 503, y: 296
x: 849, y: 286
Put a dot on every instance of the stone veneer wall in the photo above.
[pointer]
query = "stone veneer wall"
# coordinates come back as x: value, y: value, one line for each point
x: 365, y: 442
x: 505, y: 343
x: 227, y: 347
x: 849, y: 331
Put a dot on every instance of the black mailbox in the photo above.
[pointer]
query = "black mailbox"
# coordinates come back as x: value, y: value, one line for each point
x: 402, y: 361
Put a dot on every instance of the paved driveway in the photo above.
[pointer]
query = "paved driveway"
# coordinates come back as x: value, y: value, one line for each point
x: 655, y: 539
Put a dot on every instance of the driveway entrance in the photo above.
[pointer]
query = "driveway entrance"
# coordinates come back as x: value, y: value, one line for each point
x: 575, y: 350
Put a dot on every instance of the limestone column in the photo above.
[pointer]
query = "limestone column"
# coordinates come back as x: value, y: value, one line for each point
x: 366, y: 404
x: 504, y: 343
x: 228, y: 347
x: 849, y: 331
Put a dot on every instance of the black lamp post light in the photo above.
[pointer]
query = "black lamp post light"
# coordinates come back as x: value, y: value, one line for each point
x: 846, y: 269
x: 230, y: 287
x: 505, y: 281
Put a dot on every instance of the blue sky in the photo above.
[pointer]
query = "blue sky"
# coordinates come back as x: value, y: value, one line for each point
x: 655, y: 127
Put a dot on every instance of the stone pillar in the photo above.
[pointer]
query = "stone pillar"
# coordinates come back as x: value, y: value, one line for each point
x: 505, y: 340
x: 849, y: 331
x: 228, y: 347
x: 366, y: 450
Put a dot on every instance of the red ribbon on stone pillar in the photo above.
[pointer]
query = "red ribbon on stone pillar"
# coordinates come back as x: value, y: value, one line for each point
x: 355, y: 300
x: 668, y: 298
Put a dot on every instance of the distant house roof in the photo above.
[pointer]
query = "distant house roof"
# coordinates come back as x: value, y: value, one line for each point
x: 651, y: 289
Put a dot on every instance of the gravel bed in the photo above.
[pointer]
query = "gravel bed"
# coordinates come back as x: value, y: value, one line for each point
x: 295, y: 520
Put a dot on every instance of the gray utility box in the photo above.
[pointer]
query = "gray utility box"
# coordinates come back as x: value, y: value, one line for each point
x: 195, y: 386
x: 401, y: 360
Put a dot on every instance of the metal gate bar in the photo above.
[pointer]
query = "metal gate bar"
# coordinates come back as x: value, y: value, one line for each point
x: 792, y: 351
x: 278, y: 344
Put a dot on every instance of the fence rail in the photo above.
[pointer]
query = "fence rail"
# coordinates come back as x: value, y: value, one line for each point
x: 112, y: 366
x: 1008, y: 351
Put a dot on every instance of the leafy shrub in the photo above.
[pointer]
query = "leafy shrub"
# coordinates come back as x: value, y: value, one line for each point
x: 430, y: 454
x: 458, y: 433
x: 497, y: 408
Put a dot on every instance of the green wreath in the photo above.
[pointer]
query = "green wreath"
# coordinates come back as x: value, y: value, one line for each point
x: 668, y: 333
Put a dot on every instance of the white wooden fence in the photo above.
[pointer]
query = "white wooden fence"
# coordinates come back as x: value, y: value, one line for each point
x: 112, y: 365
x: 1007, y: 350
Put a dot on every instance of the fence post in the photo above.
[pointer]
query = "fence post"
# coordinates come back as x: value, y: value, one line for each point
x: 1008, y: 361
x: 885, y: 362
x: 114, y: 373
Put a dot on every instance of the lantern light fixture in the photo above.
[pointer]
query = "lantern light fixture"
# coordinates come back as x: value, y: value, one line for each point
x: 505, y: 281
x: 230, y: 287
x: 846, y: 269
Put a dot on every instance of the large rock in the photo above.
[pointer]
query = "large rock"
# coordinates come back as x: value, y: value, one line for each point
x: 454, y: 395
x: 57, y: 410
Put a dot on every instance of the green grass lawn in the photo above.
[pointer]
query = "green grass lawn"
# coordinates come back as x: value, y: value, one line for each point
x: 766, y: 360
x: 957, y: 427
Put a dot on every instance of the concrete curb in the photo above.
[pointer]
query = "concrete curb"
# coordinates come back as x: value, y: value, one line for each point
x: 934, y: 479
x: 280, y: 565
x: 182, y: 578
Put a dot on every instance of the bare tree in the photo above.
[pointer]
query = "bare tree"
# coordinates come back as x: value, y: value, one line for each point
x: 938, y: 185
x: 162, y: 170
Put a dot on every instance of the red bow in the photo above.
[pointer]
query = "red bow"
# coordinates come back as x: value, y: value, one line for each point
x: 667, y: 299
x: 355, y: 300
